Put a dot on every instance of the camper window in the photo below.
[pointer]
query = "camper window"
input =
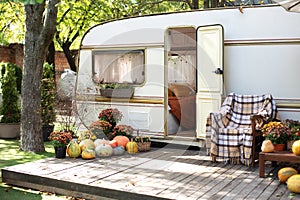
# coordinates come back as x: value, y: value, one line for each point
x: 119, y: 67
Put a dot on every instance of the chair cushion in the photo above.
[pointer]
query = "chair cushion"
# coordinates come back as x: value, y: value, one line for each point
x: 181, y: 89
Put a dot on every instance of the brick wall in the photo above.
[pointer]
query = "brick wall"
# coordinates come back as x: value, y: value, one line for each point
x: 14, y: 54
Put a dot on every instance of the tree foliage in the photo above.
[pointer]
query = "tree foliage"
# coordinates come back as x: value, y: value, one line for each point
x: 12, y: 23
x: 76, y: 17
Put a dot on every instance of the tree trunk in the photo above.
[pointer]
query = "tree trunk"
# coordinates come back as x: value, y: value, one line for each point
x: 195, y: 4
x: 39, y: 34
x: 69, y: 56
x: 51, y: 54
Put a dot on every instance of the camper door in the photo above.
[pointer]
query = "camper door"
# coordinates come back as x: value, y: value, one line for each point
x: 210, y: 42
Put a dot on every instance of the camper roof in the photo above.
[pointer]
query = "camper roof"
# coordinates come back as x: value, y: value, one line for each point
x: 149, y: 30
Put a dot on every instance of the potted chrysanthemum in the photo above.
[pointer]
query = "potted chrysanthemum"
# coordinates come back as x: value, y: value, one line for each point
x: 294, y: 126
x: 111, y: 115
x: 124, y: 130
x: 60, y: 141
x: 278, y: 133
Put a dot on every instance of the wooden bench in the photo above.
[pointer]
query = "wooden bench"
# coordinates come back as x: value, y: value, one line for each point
x: 278, y: 156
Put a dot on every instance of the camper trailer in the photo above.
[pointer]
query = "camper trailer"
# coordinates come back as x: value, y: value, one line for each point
x: 181, y: 66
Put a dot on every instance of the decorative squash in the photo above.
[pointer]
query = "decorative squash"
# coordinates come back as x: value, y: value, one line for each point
x: 121, y: 140
x: 113, y: 143
x: 132, y: 147
x: 104, y: 150
x: 98, y: 142
x: 73, y: 149
x: 293, y: 183
x: 267, y: 146
x: 88, y: 154
x: 119, y: 150
x: 296, y: 148
x: 285, y: 173
x: 86, y: 144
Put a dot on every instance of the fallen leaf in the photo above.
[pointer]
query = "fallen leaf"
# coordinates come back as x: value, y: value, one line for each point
x: 132, y: 183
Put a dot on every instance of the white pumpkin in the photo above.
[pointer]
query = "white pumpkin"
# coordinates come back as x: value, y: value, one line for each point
x: 267, y: 146
x: 104, y: 150
x: 98, y: 142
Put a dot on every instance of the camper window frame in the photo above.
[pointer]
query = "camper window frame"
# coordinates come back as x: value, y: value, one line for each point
x: 118, y: 51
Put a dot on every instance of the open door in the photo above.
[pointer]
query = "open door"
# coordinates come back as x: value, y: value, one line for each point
x: 210, y: 43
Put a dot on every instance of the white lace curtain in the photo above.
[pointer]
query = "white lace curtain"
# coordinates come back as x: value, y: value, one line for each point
x: 125, y: 68
x: 182, y: 69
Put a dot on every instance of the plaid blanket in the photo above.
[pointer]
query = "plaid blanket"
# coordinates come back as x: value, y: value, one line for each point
x: 229, y: 131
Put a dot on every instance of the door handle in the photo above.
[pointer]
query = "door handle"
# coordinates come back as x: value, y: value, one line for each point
x: 218, y: 71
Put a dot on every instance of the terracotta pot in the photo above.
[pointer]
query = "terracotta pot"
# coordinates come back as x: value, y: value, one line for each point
x: 279, y: 147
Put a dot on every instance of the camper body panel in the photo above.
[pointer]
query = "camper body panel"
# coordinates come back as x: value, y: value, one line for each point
x: 261, y: 55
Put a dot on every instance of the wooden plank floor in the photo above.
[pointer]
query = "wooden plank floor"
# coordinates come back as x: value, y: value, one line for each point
x: 162, y: 173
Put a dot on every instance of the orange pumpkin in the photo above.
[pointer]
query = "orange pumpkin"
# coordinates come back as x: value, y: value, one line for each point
x: 296, y: 148
x: 121, y: 140
x: 113, y: 143
x: 285, y: 173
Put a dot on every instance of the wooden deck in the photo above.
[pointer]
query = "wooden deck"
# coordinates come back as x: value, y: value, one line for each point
x: 162, y: 173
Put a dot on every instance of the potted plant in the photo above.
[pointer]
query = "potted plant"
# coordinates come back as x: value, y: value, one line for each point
x: 10, y: 111
x: 124, y: 130
x: 100, y: 128
x: 60, y: 141
x: 48, y: 100
x: 278, y: 133
x: 116, y: 90
x: 111, y: 115
x: 294, y: 126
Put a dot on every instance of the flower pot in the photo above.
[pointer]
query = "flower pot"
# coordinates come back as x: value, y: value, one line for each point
x: 9, y: 130
x: 60, y: 152
x: 279, y: 147
x: 117, y: 93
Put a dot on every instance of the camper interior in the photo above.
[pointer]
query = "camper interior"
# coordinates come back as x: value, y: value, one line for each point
x: 181, y: 70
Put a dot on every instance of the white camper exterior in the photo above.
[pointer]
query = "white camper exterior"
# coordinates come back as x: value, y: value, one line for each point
x: 211, y: 52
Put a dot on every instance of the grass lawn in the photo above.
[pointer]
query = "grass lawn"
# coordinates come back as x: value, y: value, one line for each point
x: 11, y: 155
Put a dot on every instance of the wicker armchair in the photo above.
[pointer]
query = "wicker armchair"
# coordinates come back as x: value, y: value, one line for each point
x: 233, y: 134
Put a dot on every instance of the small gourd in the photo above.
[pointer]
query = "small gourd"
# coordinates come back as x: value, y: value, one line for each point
x: 132, y: 147
x: 73, y: 149
x: 104, y: 150
x: 267, y: 146
x: 119, y: 150
x: 296, y: 148
x: 88, y: 154
x: 293, y: 183
x: 87, y: 144
x: 285, y: 173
